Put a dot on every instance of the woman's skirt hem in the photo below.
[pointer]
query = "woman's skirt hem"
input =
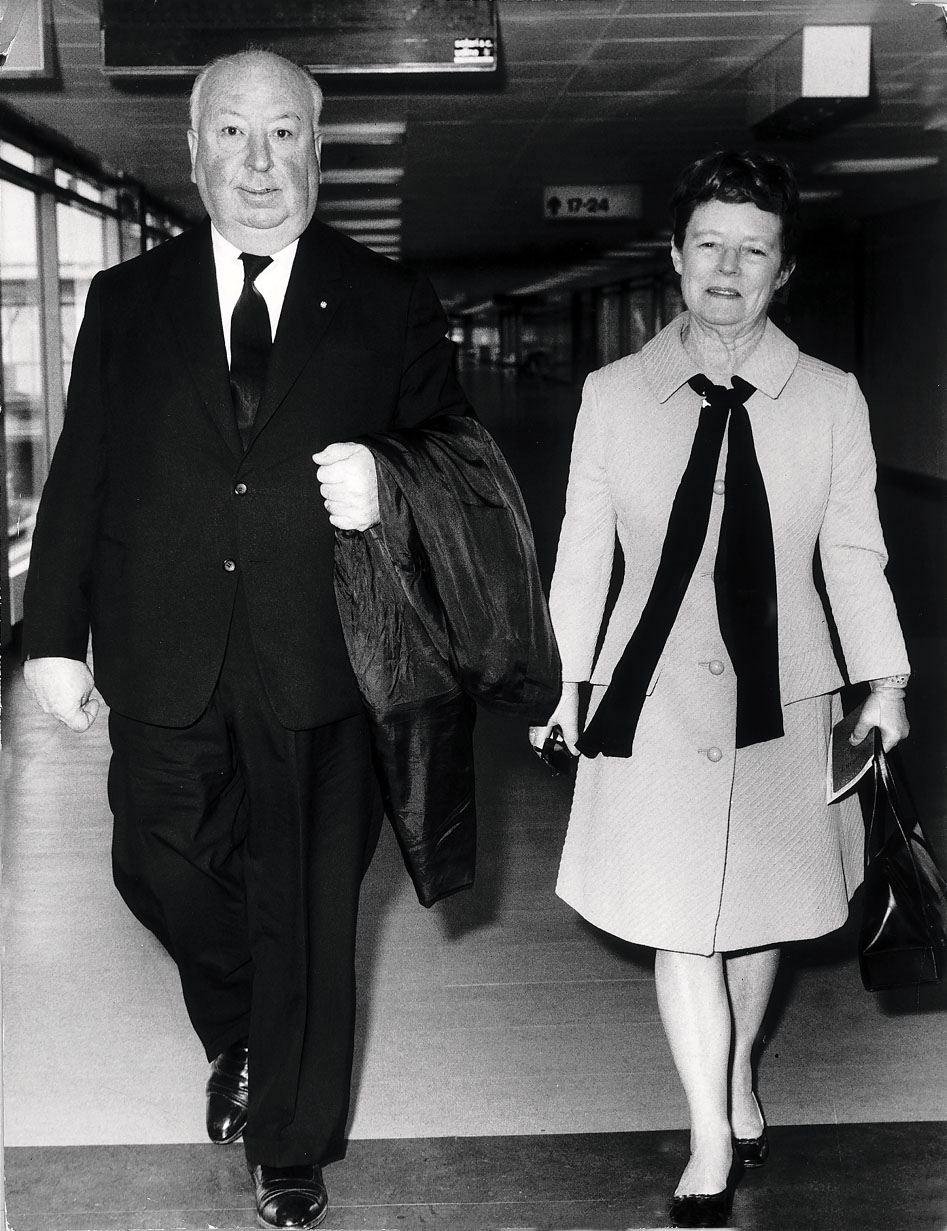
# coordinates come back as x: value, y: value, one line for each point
x: 657, y: 938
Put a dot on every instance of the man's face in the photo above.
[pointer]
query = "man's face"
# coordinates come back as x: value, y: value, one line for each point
x: 254, y: 157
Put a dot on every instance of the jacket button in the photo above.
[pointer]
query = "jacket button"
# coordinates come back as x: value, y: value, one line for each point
x: 240, y: 489
x: 715, y: 667
x: 714, y: 754
x: 230, y: 566
x: 719, y: 487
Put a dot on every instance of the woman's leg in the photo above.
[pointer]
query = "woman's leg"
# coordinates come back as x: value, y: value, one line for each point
x: 749, y: 979
x: 695, y: 1010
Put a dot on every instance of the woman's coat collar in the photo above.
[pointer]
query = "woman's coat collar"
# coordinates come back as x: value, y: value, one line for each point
x: 668, y: 366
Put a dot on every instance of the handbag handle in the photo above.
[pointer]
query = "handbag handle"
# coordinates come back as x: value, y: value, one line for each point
x: 885, y: 783
x: 884, y: 780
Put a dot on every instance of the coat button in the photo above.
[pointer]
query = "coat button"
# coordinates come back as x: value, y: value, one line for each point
x: 240, y: 489
x: 714, y: 754
x: 715, y: 667
x: 719, y: 487
x: 230, y: 566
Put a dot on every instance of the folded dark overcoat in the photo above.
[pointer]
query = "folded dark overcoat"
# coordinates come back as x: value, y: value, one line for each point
x: 441, y: 606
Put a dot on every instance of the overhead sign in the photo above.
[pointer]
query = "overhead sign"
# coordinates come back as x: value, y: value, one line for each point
x: 168, y: 38
x: 578, y: 202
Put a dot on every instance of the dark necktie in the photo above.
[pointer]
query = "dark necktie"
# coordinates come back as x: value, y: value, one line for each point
x: 250, y: 345
x: 744, y: 579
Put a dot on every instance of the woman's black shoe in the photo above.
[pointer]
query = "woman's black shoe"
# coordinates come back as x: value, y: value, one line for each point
x: 700, y: 1210
x: 705, y: 1209
x: 753, y: 1151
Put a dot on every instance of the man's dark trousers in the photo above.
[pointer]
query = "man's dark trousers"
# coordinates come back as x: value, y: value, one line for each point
x: 241, y: 844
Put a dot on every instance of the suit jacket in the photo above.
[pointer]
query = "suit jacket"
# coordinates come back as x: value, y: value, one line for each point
x: 441, y: 604
x: 153, y: 514
x: 810, y: 428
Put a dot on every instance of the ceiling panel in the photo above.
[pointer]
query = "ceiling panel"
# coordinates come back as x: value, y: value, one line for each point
x: 596, y: 91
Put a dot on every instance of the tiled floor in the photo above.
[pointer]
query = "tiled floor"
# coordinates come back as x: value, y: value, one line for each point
x: 510, y: 1070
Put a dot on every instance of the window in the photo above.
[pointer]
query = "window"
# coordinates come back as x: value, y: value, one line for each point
x: 21, y: 347
x: 19, y: 158
x: 79, y: 184
x: 86, y: 223
x: 87, y: 243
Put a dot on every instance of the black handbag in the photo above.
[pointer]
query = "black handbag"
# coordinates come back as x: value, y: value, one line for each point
x: 903, y: 939
x: 556, y: 755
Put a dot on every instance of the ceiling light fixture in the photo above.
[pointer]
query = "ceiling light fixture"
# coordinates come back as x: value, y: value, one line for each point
x: 876, y: 166
x: 574, y: 274
x: 373, y: 238
x: 811, y: 83
x: 357, y: 205
x: 649, y: 245
x: 487, y: 305
x: 370, y: 175
x: 367, y: 133
x: 367, y: 224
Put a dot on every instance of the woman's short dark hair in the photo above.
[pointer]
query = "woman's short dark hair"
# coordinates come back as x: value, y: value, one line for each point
x: 765, y: 180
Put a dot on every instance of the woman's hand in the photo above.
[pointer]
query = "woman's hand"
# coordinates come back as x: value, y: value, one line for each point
x: 565, y: 716
x: 884, y: 710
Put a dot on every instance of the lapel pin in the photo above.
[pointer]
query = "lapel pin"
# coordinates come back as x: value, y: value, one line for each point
x: 323, y: 304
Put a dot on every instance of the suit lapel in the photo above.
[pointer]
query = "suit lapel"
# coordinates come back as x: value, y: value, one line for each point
x: 191, y: 301
x: 313, y: 296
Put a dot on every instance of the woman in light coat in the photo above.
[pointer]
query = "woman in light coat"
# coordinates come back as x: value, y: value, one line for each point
x: 699, y: 824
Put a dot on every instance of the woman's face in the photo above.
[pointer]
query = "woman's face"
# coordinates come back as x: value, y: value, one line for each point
x: 730, y: 264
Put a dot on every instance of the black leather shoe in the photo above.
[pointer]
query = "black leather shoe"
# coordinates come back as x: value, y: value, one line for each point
x: 700, y: 1210
x: 289, y: 1196
x: 227, y: 1095
x: 753, y: 1151
x: 705, y: 1209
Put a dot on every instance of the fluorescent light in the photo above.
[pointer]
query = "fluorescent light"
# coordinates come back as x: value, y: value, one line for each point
x: 876, y: 166
x: 367, y: 224
x: 819, y: 194
x: 485, y: 306
x: 376, y: 237
x: 626, y: 254
x: 355, y: 205
x: 372, y: 175
x: 368, y: 133
x: 641, y: 246
x: 567, y: 275
x: 936, y: 121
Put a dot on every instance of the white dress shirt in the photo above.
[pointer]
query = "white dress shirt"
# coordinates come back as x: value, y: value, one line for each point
x: 271, y: 283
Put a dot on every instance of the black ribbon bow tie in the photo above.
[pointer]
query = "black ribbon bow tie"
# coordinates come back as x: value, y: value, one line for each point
x: 744, y: 580
x: 250, y: 345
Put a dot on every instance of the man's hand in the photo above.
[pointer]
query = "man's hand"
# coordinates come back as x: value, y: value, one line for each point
x: 63, y: 687
x: 349, y: 485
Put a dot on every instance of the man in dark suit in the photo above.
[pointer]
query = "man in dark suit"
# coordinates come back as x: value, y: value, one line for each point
x: 188, y: 521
